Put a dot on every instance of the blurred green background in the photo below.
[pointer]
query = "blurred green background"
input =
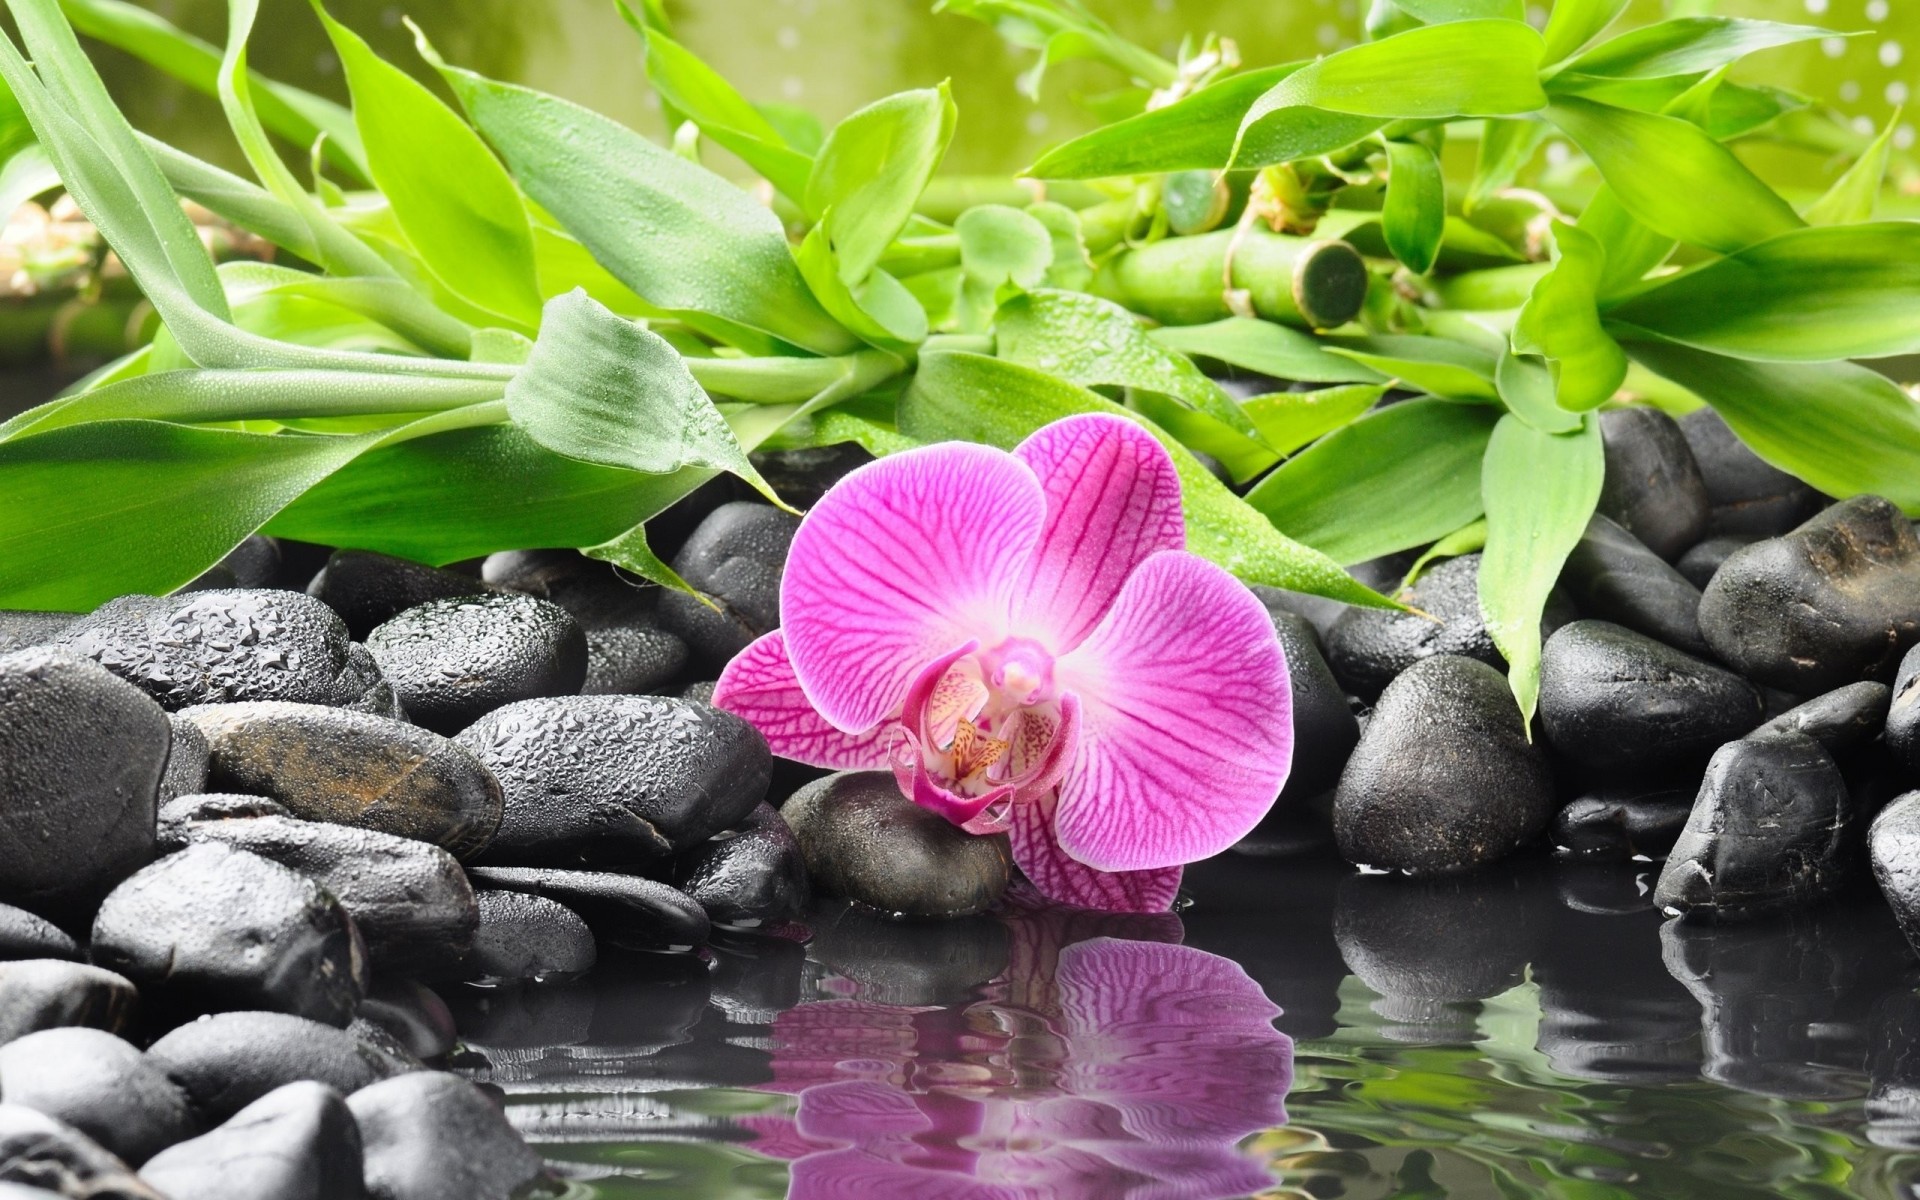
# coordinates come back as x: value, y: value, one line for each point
x: 831, y: 56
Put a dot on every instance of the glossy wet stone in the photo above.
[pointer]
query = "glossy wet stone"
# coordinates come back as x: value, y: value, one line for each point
x: 434, y: 1136
x: 736, y: 557
x: 354, y: 769
x: 1444, y: 778
x: 625, y: 910
x: 1834, y: 602
x: 410, y: 900
x: 298, y: 1142
x: 1653, y: 487
x: 228, y: 1061
x: 28, y: 935
x: 367, y: 588
x: 81, y: 758
x: 1703, y: 560
x: 750, y: 876
x: 802, y: 476
x: 524, y: 936
x: 1615, y: 700
x: 1748, y: 496
x: 453, y: 661
x: 254, y: 563
x: 862, y: 840
x: 180, y: 813
x: 1368, y: 647
x: 47, y: 993
x: 615, y: 780
x: 214, y: 928
x: 1893, y: 845
x: 1612, y: 575
x: 1324, y: 729
x: 20, y: 629
x: 374, y: 688
x: 222, y: 645
x: 40, y: 1151
x: 1624, y: 820
x: 1842, y: 720
x: 188, y: 760
x: 628, y: 652
x: 1903, y: 714
x: 100, y: 1085
x: 413, y: 1015
x: 1767, y: 832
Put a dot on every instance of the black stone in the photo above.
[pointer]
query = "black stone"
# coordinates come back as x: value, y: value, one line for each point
x: 225, y: 1062
x: 81, y: 757
x: 627, y: 650
x: 1324, y: 729
x: 1622, y: 821
x: 1368, y: 647
x: 26, y: 935
x: 1318, y: 611
x: 410, y: 900
x: 861, y: 839
x: 354, y: 769
x: 296, y: 1143
x: 364, y: 678
x: 413, y: 1015
x: 1750, y: 498
x: 1903, y: 715
x: 42, y: 1152
x: 1767, y: 832
x: 1444, y: 778
x: 1613, y: 576
x: 750, y: 876
x: 223, y: 645
x: 367, y: 589
x: 1618, y: 701
x: 896, y: 962
x: 624, y: 910
x: 735, y: 557
x: 453, y: 661
x: 254, y: 563
x: 178, y: 814
x: 188, y: 761
x: 801, y: 477
x: 434, y: 1136
x: 213, y: 928
x: 1834, y: 602
x: 100, y: 1085
x: 51, y: 993
x: 1893, y: 845
x: 523, y: 936
x: 1703, y: 560
x: 1842, y: 720
x: 21, y: 629
x: 615, y: 780
x: 1653, y: 488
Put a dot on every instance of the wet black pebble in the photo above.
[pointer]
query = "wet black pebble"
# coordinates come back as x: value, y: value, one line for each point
x: 254, y: 563
x: 20, y: 629
x: 1703, y: 560
x: 1842, y: 720
x: 453, y: 661
x: 751, y: 876
x: 735, y: 557
x: 1653, y: 488
x: 213, y: 928
x: 1623, y: 820
x: 413, y: 1014
x: 1368, y: 647
x: 227, y: 1061
x: 1903, y: 716
x: 1750, y: 498
x: 1613, y: 576
x: 100, y: 1085
x: 628, y: 652
x: 862, y: 840
x: 51, y: 993
x: 27, y: 935
x: 298, y: 1142
x: 38, y: 1151
x: 623, y: 910
x: 523, y: 936
x: 434, y: 1136
x: 1324, y: 728
x: 367, y: 588
x: 187, y: 761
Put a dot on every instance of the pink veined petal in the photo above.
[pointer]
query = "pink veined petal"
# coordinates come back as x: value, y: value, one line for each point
x: 1186, y: 724
x: 1061, y: 877
x: 759, y: 685
x: 901, y: 561
x: 1112, y: 499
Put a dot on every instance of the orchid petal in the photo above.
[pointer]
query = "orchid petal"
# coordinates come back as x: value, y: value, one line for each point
x: 900, y: 562
x: 1113, y: 499
x: 1060, y: 877
x: 1186, y: 724
x: 759, y: 685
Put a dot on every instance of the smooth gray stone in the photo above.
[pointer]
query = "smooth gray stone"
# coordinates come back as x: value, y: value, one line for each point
x: 100, y: 1085
x: 1893, y: 846
x: 1903, y: 714
x: 1841, y: 720
x: 1611, y: 575
x: 51, y: 993
x: 1750, y: 497
x: 736, y: 558
x: 25, y: 935
x: 524, y: 936
x: 624, y: 910
x: 229, y: 1060
x: 453, y: 661
x: 21, y: 629
x: 367, y: 588
x: 862, y: 840
x: 1653, y: 488
x: 188, y: 760
x: 299, y: 1142
x: 42, y: 1152
x: 434, y: 1136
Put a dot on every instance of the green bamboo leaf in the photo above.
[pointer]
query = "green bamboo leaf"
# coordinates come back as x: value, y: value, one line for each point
x: 1673, y: 177
x: 1526, y: 388
x: 1632, y: 249
x: 1289, y: 420
x: 1193, y: 133
x: 1439, y: 366
x: 1463, y: 68
x: 1811, y: 295
x: 680, y: 236
x: 1264, y: 347
x: 1843, y: 428
x: 1574, y: 23
x: 872, y: 169
x: 694, y: 91
x: 1437, y: 12
x: 975, y: 398
x: 1683, y: 46
x: 1855, y: 195
x: 1239, y: 455
x: 298, y: 117
x: 1093, y: 342
x: 1505, y: 147
x: 1561, y: 322
x: 1464, y: 540
x: 1415, y: 213
x: 1540, y: 491
x: 473, y: 237
x: 1397, y: 478
x: 877, y: 308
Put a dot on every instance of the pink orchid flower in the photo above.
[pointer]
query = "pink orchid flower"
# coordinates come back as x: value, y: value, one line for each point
x: 1022, y: 639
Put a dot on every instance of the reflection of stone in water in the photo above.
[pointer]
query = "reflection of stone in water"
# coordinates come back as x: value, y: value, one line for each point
x: 1092, y: 1067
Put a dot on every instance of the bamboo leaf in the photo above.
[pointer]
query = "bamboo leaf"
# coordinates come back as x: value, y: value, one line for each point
x: 1437, y: 12
x: 1264, y: 347
x: 693, y: 90
x: 1574, y: 23
x: 1526, y: 388
x: 1505, y: 147
x: 1811, y: 295
x: 1289, y: 420
x: 1193, y: 133
x: 872, y: 169
x: 1540, y: 491
x: 1397, y: 478
x: 981, y: 399
x: 1632, y: 249
x: 1439, y: 366
x: 1415, y: 213
x: 1683, y: 46
x: 1561, y: 321
x: 1855, y: 195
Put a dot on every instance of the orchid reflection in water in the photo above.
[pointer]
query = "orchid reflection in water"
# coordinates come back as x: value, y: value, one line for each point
x: 1103, y: 1069
x: 1023, y: 639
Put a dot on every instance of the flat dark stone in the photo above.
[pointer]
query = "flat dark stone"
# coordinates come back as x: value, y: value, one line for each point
x: 100, y: 1085
x: 1619, y: 822
x: 453, y: 661
x: 750, y: 876
x: 524, y: 936
x: 1368, y: 647
x: 736, y: 558
x: 1842, y: 720
x: 230, y: 1060
x: 1903, y: 714
x: 1324, y: 729
x: 1611, y: 575
x: 1653, y: 488
x: 626, y: 910
x: 862, y: 840
x: 628, y: 651
x: 1749, y: 497
x: 367, y: 588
